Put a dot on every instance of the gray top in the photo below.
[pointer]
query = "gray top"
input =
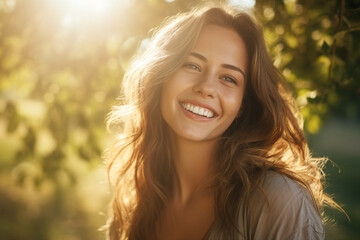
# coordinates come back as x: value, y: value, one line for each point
x: 289, y: 212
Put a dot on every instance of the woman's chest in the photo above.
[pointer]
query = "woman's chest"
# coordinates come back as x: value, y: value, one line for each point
x: 191, y: 222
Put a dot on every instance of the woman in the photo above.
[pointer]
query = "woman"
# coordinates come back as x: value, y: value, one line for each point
x: 212, y: 146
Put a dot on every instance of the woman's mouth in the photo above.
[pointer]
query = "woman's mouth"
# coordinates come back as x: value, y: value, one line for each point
x: 201, y: 111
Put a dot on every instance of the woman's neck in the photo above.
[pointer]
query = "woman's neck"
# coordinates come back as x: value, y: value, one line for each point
x: 193, y: 162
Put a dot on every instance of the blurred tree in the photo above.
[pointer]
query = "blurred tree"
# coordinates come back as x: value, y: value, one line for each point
x: 315, y: 44
x: 61, y: 64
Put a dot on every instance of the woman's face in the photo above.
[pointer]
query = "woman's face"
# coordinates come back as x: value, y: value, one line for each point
x: 203, y: 97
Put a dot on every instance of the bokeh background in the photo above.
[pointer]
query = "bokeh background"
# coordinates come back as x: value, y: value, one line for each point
x: 61, y: 65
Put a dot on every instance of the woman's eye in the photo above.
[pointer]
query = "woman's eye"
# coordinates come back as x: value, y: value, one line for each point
x: 230, y: 79
x: 192, y: 66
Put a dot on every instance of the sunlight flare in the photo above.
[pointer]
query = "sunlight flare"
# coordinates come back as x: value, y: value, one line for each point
x: 83, y: 10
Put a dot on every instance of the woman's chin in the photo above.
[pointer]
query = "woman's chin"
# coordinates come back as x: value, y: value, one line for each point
x: 195, y: 136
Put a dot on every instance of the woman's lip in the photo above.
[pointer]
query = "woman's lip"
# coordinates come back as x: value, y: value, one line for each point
x: 194, y: 116
x: 196, y: 103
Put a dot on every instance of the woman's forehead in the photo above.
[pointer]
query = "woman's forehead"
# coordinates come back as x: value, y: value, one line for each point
x: 222, y: 44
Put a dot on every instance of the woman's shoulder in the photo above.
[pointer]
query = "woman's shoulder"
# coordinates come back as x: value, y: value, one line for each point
x: 277, y: 186
x: 281, y: 209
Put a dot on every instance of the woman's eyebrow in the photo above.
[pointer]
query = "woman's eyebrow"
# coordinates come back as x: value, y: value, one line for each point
x: 199, y: 56
x: 232, y: 67
x: 228, y: 66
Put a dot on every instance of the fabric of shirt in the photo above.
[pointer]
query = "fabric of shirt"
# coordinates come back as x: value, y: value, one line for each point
x: 283, y: 209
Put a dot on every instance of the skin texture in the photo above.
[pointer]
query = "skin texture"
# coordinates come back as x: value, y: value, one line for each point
x: 212, y: 76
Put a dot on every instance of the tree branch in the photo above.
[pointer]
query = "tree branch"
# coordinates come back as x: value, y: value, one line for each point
x: 340, y: 17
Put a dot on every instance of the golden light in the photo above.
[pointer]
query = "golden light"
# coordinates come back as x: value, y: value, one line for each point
x: 7, y: 6
x: 83, y: 10
x: 242, y: 3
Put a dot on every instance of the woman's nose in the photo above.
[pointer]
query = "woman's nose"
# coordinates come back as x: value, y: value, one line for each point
x: 205, y: 87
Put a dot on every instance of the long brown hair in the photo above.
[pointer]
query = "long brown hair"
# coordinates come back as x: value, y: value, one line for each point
x: 266, y: 136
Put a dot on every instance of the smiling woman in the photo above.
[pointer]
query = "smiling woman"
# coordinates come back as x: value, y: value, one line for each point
x: 212, y: 146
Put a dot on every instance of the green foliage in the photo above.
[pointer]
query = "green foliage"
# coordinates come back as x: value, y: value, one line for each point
x: 60, y: 72
x: 315, y: 45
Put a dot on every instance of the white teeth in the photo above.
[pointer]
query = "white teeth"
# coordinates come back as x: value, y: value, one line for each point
x: 198, y: 110
x: 206, y: 113
x: 209, y: 114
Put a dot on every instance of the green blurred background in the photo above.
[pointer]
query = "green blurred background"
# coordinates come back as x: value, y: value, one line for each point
x: 61, y: 65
